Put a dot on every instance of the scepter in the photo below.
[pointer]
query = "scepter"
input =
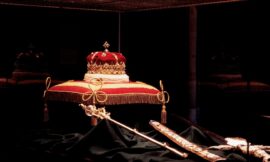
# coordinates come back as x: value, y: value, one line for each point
x: 101, y: 113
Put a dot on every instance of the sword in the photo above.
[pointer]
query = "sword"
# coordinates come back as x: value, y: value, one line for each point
x: 205, y: 154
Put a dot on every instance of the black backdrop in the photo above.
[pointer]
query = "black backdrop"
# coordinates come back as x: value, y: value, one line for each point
x: 154, y: 42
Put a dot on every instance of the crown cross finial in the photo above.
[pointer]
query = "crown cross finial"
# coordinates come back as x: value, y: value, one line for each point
x: 106, y: 45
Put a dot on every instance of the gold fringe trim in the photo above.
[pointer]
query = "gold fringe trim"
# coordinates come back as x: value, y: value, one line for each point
x: 111, y: 100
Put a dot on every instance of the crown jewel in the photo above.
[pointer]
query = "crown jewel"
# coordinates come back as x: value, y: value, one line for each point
x: 106, y: 62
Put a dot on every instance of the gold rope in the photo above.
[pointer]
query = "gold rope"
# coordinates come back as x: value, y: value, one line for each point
x: 164, y: 98
x: 97, y: 95
x: 47, y: 85
x: 46, y: 110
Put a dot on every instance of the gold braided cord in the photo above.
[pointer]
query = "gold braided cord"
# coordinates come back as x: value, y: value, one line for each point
x: 45, y: 110
x: 163, y: 96
x: 97, y: 94
x: 47, y: 85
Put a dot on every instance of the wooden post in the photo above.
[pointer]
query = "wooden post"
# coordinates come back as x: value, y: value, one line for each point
x: 192, y: 80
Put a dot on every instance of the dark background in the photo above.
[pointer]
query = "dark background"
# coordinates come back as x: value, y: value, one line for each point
x: 155, y: 44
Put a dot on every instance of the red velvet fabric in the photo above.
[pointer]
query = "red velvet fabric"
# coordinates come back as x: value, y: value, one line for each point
x: 102, y: 57
x: 115, y: 92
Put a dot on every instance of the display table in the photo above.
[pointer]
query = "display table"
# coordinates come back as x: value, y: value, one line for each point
x: 109, y: 142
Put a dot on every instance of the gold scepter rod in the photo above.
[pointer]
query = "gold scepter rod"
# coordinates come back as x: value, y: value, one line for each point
x: 102, y: 114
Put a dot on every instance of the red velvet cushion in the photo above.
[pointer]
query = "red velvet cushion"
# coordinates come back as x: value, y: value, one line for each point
x: 116, y: 93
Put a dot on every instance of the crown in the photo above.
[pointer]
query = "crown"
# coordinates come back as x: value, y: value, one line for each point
x: 106, y: 62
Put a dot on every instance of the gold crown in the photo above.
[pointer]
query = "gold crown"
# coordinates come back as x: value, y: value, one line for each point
x: 106, y: 62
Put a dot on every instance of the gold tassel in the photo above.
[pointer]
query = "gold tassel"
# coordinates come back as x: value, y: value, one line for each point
x: 163, y: 114
x: 163, y: 100
x: 45, y: 113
